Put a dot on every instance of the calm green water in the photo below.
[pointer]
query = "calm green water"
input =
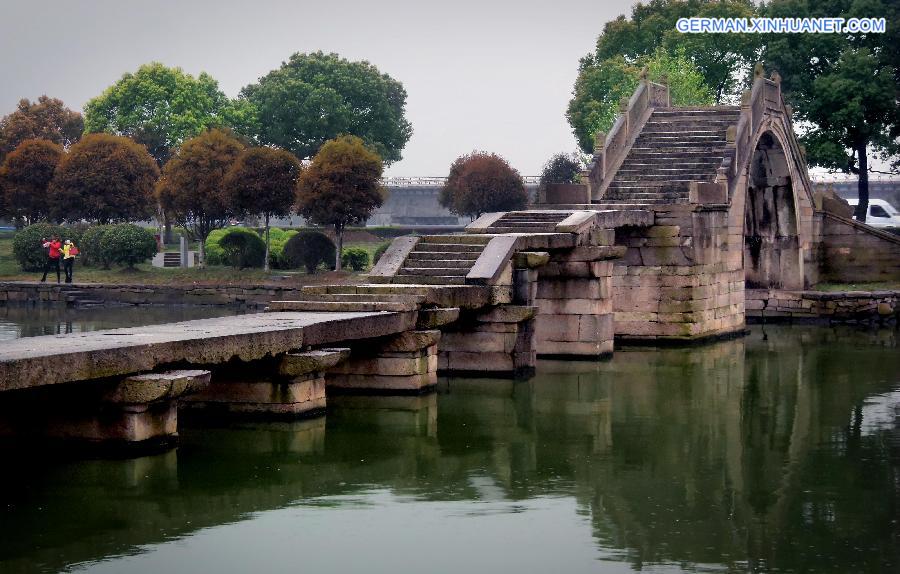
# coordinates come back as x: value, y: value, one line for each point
x: 16, y: 322
x: 779, y: 452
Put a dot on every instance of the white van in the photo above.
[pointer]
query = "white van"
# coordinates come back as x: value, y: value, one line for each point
x: 881, y: 213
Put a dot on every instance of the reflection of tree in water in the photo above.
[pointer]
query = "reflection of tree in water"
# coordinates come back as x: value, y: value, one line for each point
x: 743, y: 451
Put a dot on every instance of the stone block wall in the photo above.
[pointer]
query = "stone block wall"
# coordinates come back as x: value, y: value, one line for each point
x: 573, y: 296
x: 498, y: 340
x: 12, y: 293
x: 680, y: 278
x: 851, y: 252
x: 773, y: 306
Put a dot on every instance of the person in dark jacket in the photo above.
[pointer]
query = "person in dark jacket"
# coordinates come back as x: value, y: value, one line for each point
x: 54, y: 251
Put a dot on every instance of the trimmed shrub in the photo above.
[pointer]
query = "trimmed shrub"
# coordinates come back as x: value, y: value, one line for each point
x: 243, y: 248
x: 278, y: 238
x: 89, y: 250
x: 309, y: 249
x: 355, y: 258
x: 215, y: 255
x: 379, y: 251
x: 127, y: 244
x: 28, y: 248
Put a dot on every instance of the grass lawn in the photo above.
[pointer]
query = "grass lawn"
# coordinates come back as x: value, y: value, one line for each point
x: 145, y: 274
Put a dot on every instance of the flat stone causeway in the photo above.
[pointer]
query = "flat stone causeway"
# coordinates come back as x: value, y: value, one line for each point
x: 37, y: 361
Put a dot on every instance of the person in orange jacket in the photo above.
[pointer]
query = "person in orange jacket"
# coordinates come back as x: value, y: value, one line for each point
x: 53, y: 247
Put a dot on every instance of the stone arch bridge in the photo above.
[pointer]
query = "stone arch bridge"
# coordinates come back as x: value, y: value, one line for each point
x: 683, y: 211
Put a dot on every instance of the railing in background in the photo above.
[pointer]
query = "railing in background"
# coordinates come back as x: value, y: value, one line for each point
x: 438, y: 181
x: 610, y: 149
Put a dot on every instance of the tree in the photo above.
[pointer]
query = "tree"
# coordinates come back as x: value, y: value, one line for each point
x: 843, y: 88
x: 601, y: 86
x: 341, y: 187
x: 104, y: 178
x: 263, y: 181
x: 561, y: 168
x: 313, y: 98
x: 724, y: 61
x: 482, y: 182
x: 47, y: 118
x: 26, y: 175
x: 159, y: 107
x: 192, y: 187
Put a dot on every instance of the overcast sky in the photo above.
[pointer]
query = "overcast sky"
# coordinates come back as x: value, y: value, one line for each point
x: 479, y: 74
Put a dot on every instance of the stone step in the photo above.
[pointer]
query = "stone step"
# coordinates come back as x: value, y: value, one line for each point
x: 670, y: 169
x: 412, y: 263
x: 682, y: 177
x: 429, y: 279
x: 312, y: 294
x: 467, y: 239
x: 469, y: 256
x: 704, y: 111
x: 523, y: 227
x: 406, y: 270
x: 450, y: 247
x: 341, y: 306
x: 676, y: 150
x: 666, y: 157
x: 685, y: 138
x: 712, y: 148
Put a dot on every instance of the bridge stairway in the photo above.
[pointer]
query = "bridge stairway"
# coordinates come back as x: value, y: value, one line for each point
x: 677, y: 146
x: 441, y: 260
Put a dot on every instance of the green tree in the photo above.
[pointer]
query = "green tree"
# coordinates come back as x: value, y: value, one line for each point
x: 725, y: 61
x: 482, y: 182
x: 601, y: 87
x: 843, y: 88
x: 313, y: 98
x: 47, y: 119
x: 263, y: 181
x: 561, y: 168
x: 159, y: 107
x: 341, y: 187
x: 25, y: 178
x: 104, y: 178
x: 192, y: 187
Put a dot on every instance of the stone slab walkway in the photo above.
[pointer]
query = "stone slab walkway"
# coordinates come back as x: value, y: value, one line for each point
x: 37, y: 361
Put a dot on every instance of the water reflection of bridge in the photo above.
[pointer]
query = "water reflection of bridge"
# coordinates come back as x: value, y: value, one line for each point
x: 747, y: 452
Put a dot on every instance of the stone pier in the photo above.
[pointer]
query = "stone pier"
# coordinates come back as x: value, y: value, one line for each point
x: 404, y: 363
x: 496, y: 341
x: 295, y: 388
x: 133, y: 412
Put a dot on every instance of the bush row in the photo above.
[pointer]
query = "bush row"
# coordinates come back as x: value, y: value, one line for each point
x: 101, y: 245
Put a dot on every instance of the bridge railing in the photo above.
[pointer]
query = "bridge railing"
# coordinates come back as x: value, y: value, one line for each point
x: 438, y: 181
x: 764, y: 99
x: 610, y: 149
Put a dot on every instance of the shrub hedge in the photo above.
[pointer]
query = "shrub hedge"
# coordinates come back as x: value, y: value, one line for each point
x: 309, y: 249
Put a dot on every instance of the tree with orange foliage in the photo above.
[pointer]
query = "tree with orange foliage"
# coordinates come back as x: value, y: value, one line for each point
x: 341, y: 187
x: 104, y: 178
x: 482, y: 182
x: 262, y: 181
x: 46, y: 119
x: 192, y: 187
x: 25, y: 178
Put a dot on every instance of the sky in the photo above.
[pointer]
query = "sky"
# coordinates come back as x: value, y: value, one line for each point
x: 486, y: 75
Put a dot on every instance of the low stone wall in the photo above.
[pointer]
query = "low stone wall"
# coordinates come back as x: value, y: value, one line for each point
x: 773, y: 305
x: 854, y: 252
x: 63, y: 295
